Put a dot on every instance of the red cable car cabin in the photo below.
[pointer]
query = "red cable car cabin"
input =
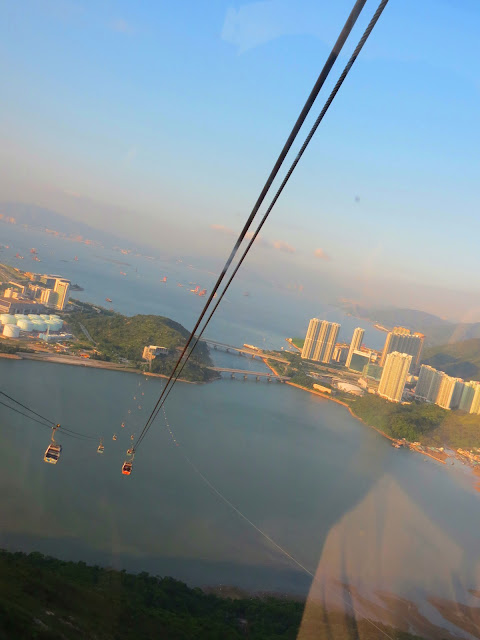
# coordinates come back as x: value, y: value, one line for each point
x: 127, y: 468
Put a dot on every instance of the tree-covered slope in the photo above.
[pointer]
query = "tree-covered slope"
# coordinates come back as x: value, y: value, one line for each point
x: 47, y: 599
x: 117, y: 336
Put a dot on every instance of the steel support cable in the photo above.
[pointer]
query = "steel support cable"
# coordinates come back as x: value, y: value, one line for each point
x: 35, y: 420
x: 50, y: 423
x: 345, y: 32
x: 42, y: 424
x: 358, y: 48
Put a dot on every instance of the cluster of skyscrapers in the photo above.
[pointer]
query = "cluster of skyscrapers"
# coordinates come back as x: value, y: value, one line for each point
x: 391, y: 367
x: 448, y: 392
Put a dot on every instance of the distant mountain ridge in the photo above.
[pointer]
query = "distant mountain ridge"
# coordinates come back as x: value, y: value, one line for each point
x: 459, y: 359
x: 438, y: 331
x: 41, y: 218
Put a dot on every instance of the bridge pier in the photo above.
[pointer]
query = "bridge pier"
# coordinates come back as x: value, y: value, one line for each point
x: 232, y: 376
x: 269, y: 379
x: 257, y: 378
x: 245, y: 377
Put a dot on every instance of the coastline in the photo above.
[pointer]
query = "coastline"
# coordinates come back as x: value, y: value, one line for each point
x: 325, y: 396
x: 77, y: 361
x: 110, y: 366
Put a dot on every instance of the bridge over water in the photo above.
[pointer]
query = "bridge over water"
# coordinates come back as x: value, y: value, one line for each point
x: 243, y: 351
x: 269, y: 375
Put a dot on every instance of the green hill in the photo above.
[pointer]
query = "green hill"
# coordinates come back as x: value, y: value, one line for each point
x: 116, y: 337
x: 459, y: 359
x: 47, y: 599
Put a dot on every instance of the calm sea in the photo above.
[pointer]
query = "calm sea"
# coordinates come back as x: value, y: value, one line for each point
x: 328, y: 490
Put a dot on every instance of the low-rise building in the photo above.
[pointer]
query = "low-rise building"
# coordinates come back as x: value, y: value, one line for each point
x: 15, y: 305
x: 319, y: 387
x: 152, y: 351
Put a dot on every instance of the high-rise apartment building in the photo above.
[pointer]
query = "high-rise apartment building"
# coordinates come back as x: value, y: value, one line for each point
x: 332, y: 335
x: 340, y: 352
x: 475, y: 407
x: 402, y: 341
x: 428, y: 384
x: 62, y: 289
x: 457, y: 393
x: 355, y: 344
x: 449, y: 392
x: 468, y: 393
x: 320, y: 340
x: 310, y: 338
x: 394, y: 376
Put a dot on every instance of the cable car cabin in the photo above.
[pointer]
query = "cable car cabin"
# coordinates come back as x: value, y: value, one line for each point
x: 127, y: 468
x: 100, y: 448
x: 52, y: 454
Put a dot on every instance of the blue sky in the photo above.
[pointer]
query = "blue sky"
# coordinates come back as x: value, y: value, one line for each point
x: 173, y: 113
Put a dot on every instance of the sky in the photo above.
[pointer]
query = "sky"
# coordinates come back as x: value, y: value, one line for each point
x: 161, y: 121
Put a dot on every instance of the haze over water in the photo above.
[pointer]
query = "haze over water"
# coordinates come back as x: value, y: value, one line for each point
x: 327, y: 489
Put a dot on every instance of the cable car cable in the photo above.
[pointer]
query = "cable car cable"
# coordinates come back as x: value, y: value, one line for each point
x: 35, y: 420
x: 168, y: 387
x: 345, y: 32
x: 50, y: 423
x: 26, y: 415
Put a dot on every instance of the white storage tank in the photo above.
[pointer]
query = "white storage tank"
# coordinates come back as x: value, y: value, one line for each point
x: 39, y: 325
x: 7, y: 318
x: 44, y: 316
x: 11, y: 331
x: 55, y: 325
x: 18, y: 316
x: 25, y: 324
x: 33, y: 316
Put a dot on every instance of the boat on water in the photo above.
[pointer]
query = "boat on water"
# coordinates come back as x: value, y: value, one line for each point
x: 108, y: 300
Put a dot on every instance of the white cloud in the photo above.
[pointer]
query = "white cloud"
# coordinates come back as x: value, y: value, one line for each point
x: 283, y: 246
x: 222, y: 229
x: 321, y: 255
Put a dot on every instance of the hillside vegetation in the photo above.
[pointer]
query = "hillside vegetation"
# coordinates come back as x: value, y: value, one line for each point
x: 116, y: 336
x: 47, y: 599
x: 418, y: 422
x: 459, y: 359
